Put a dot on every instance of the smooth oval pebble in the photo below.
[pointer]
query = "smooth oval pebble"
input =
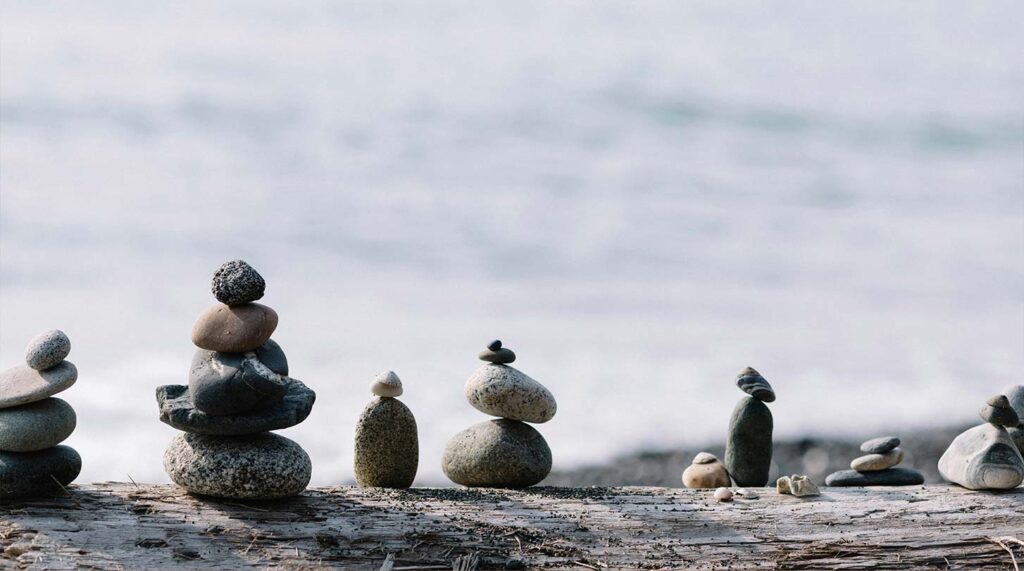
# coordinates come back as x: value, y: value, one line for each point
x: 704, y: 458
x: 997, y: 410
x: 237, y: 329
x: 23, y: 384
x: 752, y: 383
x: 236, y: 282
x: 497, y: 454
x: 36, y: 426
x: 260, y: 466
x: 723, y: 495
x: 44, y: 473
x: 505, y: 392
x: 387, y: 445
x: 387, y: 384
x: 876, y: 462
x: 500, y: 356
x: 880, y: 445
x: 47, y: 349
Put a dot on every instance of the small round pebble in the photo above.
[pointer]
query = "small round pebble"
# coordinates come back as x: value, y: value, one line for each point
x: 704, y: 458
x: 723, y: 495
x: 997, y: 410
x: 880, y: 445
x: 494, y: 345
x: 387, y: 384
x: 236, y: 282
x: 47, y: 349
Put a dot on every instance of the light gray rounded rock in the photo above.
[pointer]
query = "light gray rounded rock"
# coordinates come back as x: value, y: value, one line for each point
x: 497, y: 454
x: 236, y: 282
x: 876, y: 462
x: 23, y: 384
x: 983, y: 458
x: 45, y: 473
x: 880, y: 445
x: 506, y: 392
x: 47, y: 349
x: 387, y: 445
x: 1015, y: 394
x: 259, y: 466
x: 36, y: 426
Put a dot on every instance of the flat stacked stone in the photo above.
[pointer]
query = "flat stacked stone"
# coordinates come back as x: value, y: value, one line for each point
x: 387, y: 446
x: 507, y: 452
x: 33, y: 422
x: 748, y: 451
x: 985, y: 457
x: 238, y: 391
x: 878, y: 467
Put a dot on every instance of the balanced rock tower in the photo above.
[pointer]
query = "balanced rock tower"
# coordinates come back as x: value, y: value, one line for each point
x: 748, y: 452
x: 985, y: 457
x: 238, y: 391
x: 33, y: 422
x: 387, y: 446
x: 879, y: 466
x: 507, y: 452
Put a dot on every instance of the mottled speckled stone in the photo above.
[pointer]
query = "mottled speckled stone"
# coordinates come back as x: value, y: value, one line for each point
x: 983, y: 458
x: 23, y: 384
x: 890, y: 477
x: 387, y: 446
x: 497, y: 454
x: 47, y: 349
x: 259, y: 466
x: 880, y: 445
x: 42, y: 473
x: 748, y: 451
x: 177, y: 410
x: 234, y: 329
x: 752, y: 383
x: 233, y: 383
x: 506, y: 392
x: 36, y: 426
x: 236, y: 282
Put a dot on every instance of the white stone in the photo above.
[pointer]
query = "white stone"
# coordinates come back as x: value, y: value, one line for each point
x: 797, y: 485
x: 387, y: 384
x: 723, y: 495
x: 746, y: 493
x: 506, y: 392
x: 704, y: 458
x: 983, y: 458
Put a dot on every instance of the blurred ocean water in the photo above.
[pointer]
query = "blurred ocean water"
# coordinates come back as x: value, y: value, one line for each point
x: 639, y: 198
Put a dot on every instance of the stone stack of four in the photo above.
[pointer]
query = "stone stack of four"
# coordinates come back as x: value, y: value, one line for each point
x: 239, y: 390
x: 33, y: 422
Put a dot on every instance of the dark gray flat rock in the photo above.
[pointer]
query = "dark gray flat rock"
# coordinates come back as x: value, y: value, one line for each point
x: 177, y: 410
x: 890, y: 477
x: 752, y: 383
x: 748, y: 451
x: 880, y: 445
x: 233, y: 383
x: 42, y: 473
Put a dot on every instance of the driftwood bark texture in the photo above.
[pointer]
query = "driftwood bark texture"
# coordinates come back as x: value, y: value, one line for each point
x: 127, y: 526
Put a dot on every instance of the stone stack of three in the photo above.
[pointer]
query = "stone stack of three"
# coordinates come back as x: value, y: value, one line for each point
x: 33, y: 422
x: 238, y: 391
x: 877, y: 467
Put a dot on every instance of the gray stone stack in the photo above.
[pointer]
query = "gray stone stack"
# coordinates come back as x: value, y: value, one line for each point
x: 877, y: 467
x: 507, y: 452
x: 748, y: 452
x: 238, y: 391
x: 985, y: 457
x: 387, y: 445
x: 33, y: 422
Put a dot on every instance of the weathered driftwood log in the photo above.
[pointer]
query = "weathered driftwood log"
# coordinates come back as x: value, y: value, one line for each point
x: 126, y: 526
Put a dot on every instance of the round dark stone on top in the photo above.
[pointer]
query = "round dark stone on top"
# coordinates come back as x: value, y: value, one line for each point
x: 752, y: 383
x: 997, y: 411
x: 497, y: 354
x: 880, y: 445
x: 494, y: 345
x: 236, y: 282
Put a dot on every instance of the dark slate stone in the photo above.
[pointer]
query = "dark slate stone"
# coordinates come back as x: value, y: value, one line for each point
x: 232, y: 383
x: 890, y: 477
x: 494, y: 345
x: 880, y: 445
x: 498, y: 357
x: 236, y: 282
x: 498, y: 453
x: 752, y: 383
x: 42, y: 473
x: 748, y: 452
x: 387, y: 446
x: 177, y: 410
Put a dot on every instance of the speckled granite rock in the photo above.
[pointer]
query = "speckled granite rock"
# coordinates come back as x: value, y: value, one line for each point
x: 387, y: 446
x: 258, y: 466
x: 706, y: 472
x: 752, y: 383
x: 177, y: 410
x: 236, y: 282
x: 983, y: 458
x: 23, y: 384
x: 503, y: 391
x: 233, y: 383
x: 47, y: 349
x: 876, y: 462
x: 42, y: 473
x: 234, y: 329
x: 748, y: 452
x: 880, y: 445
x: 890, y: 477
x: 497, y: 454
x: 36, y: 426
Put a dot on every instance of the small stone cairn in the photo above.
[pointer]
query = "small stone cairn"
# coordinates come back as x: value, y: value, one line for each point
x: 507, y: 452
x: 985, y: 457
x: 878, y: 467
x: 706, y: 471
x: 33, y: 422
x: 748, y: 452
x: 387, y: 446
x: 238, y: 391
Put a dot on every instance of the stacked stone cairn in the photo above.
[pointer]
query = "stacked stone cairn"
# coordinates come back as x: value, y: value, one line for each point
x: 33, y: 422
x: 387, y: 446
x: 238, y: 391
x: 877, y: 467
x: 985, y: 457
x: 1015, y: 395
x: 748, y: 452
x: 507, y: 452
x: 706, y: 471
